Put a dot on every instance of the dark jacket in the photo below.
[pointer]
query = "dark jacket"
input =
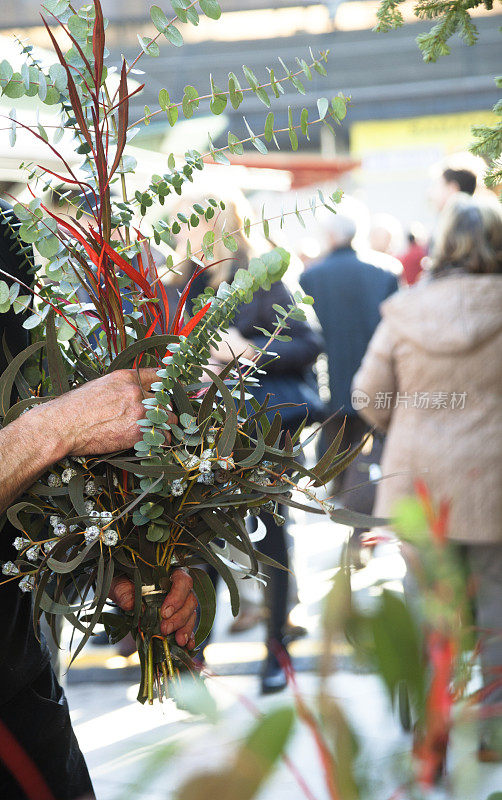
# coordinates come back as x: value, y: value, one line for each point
x: 347, y: 294
x: 22, y: 656
x: 289, y: 378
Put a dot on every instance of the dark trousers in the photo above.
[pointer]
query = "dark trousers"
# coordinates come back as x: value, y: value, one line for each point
x: 276, y: 591
x: 38, y: 717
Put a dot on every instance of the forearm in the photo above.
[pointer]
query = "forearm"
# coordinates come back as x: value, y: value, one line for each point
x: 28, y: 446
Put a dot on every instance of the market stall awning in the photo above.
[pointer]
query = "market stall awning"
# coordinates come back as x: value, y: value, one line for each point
x: 305, y: 170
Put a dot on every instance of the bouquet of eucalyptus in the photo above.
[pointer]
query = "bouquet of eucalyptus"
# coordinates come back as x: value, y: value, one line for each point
x: 96, y: 303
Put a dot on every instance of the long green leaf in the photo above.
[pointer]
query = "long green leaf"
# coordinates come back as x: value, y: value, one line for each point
x: 341, y: 464
x: 63, y: 567
x: 275, y: 430
x: 18, y: 408
x: 206, y: 595
x: 57, y: 372
x: 22, y: 385
x: 9, y: 374
x: 146, y: 470
x: 127, y: 356
x: 182, y: 400
x: 207, y: 403
x: 107, y: 580
x: 225, y: 573
x: 327, y: 459
x: 226, y: 441
x: 76, y: 493
x: 18, y: 508
x: 257, y: 453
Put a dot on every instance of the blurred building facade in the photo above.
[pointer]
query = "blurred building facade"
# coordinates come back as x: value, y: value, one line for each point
x: 404, y: 114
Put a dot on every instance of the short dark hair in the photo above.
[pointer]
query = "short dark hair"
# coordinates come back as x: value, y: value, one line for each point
x: 464, y: 178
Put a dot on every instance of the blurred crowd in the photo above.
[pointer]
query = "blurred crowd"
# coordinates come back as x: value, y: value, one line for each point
x: 403, y: 353
x: 409, y: 329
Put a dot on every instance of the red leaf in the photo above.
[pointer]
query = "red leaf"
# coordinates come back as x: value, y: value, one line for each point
x: 156, y: 282
x: 124, y: 265
x: 98, y: 44
x: 123, y: 118
x: 184, y: 296
x: 72, y: 91
x: 188, y: 328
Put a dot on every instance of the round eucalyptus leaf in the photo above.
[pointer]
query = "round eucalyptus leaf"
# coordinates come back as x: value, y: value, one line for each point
x: 4, y: 293
x: 48, y: 247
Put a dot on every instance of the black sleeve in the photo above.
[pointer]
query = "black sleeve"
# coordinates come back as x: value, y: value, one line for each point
x: 305, y: 344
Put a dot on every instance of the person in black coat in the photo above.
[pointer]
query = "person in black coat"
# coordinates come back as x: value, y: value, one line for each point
x: 289, y: 379
x: 347, y: 294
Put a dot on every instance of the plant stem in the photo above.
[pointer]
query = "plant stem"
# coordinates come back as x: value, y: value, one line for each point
x: 150, y: 672
x: 169, y: 660
x: 165, y: 679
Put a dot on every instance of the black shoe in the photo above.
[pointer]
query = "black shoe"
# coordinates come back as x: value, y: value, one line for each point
x: 273, y: 677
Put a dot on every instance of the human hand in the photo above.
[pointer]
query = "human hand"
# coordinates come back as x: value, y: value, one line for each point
x: 179, y: 609
x: 100, y: 416
x: 232, y: 344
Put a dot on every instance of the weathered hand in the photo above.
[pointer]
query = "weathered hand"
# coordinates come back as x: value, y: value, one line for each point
x: 100, y: 416
x: 178, y: 610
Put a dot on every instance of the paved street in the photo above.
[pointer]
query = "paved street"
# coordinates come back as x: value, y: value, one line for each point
x: 143, y: 752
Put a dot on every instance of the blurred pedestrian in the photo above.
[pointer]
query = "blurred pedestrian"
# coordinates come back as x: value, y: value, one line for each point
x: 460, y: 172
x: 433, y: 381
x: 347, y: 293
x: 414, y: 254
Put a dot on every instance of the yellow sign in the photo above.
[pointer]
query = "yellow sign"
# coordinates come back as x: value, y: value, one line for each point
x: 446, y: 132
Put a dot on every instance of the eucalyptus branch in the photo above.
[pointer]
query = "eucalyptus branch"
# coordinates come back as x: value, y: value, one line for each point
x: 227, y: 93
x: 335, y: 198
x: 171, y: 22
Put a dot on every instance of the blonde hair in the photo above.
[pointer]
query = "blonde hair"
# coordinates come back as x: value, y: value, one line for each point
x: 469, y: 236
x: 230, y: 220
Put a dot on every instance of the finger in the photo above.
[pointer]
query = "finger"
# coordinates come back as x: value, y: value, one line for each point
x: 181, y: 618
x: 147, y: 376
x: 182, y: 585
x: 122, y: 593
x: 185, y: 634
x: 191, y: 642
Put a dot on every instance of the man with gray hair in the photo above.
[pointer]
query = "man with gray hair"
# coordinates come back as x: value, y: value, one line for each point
x: 347, y: 293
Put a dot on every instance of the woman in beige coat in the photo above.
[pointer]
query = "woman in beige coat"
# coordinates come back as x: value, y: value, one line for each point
x: 432, y: 379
